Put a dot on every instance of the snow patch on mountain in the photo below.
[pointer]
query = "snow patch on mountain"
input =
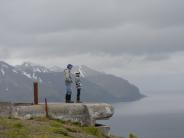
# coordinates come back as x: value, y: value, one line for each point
x: 2, y: 71
x: 28, y: 64
x: 15, y: 71
x: 31, y: 67
x: 27, y: 75
x: 36, y: 70
x: 33, y: 76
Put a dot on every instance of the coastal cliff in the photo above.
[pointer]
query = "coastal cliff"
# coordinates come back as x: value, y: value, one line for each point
x: 55, y: 120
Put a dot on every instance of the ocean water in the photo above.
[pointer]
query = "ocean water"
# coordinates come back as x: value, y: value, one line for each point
x: 159, y: 115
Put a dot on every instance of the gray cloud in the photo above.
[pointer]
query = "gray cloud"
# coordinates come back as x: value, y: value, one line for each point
x: 107, y: 26
x: 108, y: 31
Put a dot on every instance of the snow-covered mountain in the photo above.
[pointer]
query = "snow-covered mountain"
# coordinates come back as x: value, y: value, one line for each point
x: 16, y: 84
x: 32, y: 71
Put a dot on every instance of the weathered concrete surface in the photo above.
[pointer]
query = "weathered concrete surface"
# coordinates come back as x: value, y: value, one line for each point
x: 104, y: 129
x: 100, y: 111
x: 5, y: 109
x: 85, y: 113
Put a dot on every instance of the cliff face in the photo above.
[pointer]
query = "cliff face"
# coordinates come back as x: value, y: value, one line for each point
x: 63, y: 120
x: 84, y: 114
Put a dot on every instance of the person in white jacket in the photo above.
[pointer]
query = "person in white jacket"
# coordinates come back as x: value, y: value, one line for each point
x: 68, y: 83
x: 78, y: 86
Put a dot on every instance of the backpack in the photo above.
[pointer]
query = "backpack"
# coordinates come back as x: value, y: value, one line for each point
x: 67, y: 76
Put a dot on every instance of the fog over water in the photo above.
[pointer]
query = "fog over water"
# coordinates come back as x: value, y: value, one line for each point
x: 159, y: 115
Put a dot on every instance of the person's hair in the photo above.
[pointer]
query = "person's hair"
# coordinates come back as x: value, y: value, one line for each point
x: 69, y: 66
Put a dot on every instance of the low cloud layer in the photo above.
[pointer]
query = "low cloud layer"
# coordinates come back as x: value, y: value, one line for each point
x: 122, y: 37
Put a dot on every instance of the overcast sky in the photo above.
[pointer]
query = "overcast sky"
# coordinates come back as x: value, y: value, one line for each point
x: 140, y: 40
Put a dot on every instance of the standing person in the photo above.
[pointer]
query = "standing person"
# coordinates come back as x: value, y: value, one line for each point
x: 68, y: 83
x: 78, y: 86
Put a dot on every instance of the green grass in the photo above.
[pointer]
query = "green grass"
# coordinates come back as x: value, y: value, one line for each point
x: 93, y: 131
x: 41, y: 128
x: 47, y: 128
x: 132, y: 136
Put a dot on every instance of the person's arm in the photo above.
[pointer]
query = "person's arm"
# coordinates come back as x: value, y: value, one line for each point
x: 70, y: 76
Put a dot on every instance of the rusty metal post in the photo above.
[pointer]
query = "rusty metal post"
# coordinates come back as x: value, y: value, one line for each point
x: 35, y: 92
x: 46, y: 108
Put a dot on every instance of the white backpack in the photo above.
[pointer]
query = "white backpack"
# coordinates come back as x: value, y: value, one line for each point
x: 67, y: 75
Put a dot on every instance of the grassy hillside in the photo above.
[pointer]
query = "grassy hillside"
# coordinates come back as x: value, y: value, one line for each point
x: 46, y: 128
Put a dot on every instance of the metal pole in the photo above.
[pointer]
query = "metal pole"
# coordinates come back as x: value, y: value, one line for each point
x: 35, y: 92
x: 46, y: 108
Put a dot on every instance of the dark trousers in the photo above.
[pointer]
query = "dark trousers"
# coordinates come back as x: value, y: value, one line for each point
x: 68, y: 98
x: 78, y: 94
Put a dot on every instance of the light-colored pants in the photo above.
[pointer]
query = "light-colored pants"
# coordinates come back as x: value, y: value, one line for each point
x: 68, y: 88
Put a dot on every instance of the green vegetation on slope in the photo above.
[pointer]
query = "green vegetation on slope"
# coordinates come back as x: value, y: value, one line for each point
x: 47, y: 128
